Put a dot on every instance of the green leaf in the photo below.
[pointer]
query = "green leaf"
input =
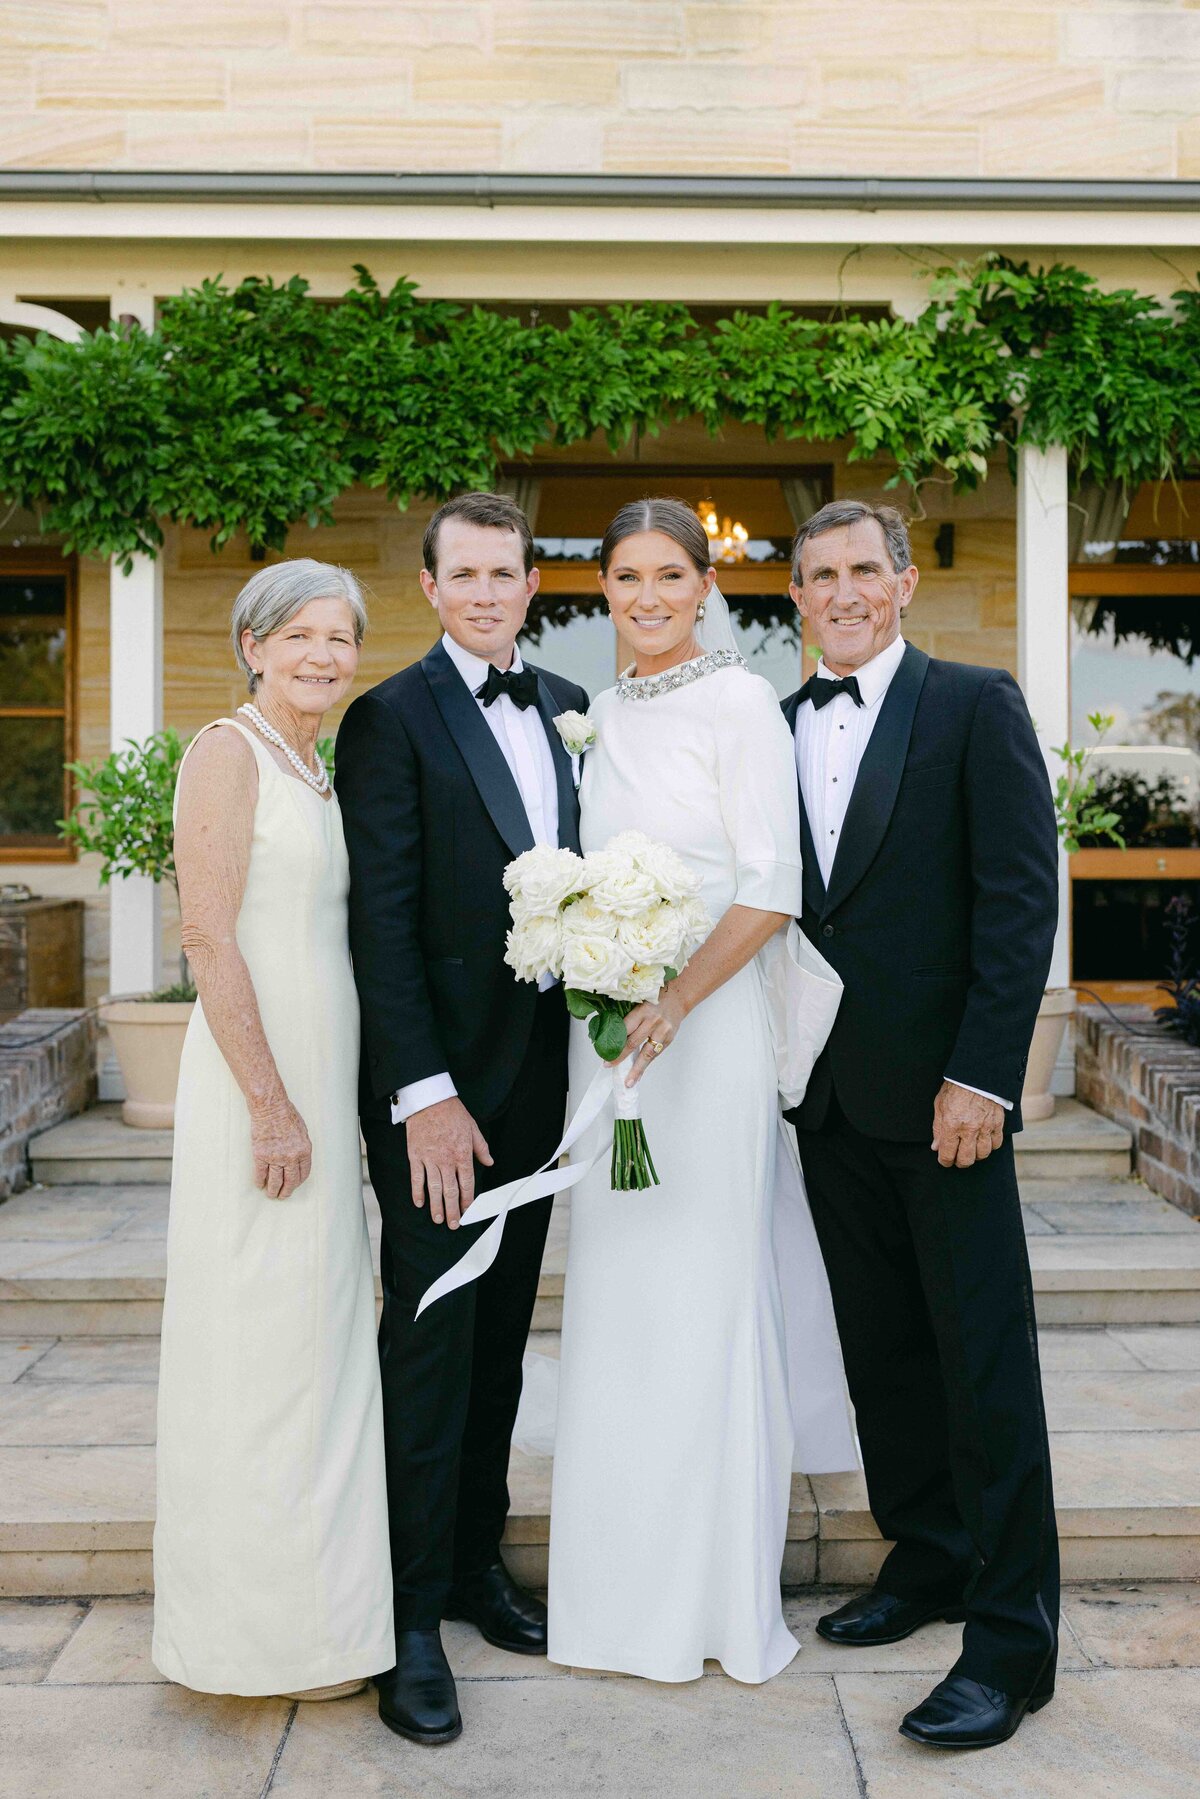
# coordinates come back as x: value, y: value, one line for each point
x: 580, y: 1005
x: 251, y: 407
x: 609, y: 1034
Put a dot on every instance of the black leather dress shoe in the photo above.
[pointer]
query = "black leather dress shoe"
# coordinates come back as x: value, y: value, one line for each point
x: 417, y: 1698
x: 505, y: 1614
x: 964, y: 1714
x: 875, y: 1618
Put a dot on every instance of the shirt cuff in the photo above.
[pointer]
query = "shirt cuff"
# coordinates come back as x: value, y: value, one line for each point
x: 429, y: 1092
x: 1006, y: 1103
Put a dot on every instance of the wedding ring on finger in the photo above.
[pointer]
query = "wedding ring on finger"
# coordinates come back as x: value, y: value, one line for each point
x: 656, y: 1049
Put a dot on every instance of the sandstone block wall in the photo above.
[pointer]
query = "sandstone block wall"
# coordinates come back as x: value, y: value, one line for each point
x: 876, y: 87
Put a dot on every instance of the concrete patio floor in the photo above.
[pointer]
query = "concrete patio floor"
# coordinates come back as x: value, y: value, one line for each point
x: 83, y: 1712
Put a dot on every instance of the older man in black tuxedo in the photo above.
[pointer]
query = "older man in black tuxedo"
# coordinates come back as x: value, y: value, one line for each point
x: 930, y: 884
x: 445, y: 773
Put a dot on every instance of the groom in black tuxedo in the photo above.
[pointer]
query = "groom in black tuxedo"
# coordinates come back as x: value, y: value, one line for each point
x: 930, y: 884
x: 445, y: 773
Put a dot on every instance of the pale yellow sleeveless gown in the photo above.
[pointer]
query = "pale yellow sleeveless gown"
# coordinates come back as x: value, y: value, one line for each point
x: 271, y: 1565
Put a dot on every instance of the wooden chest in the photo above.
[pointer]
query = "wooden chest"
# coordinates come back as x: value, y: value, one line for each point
x: 41, y: 954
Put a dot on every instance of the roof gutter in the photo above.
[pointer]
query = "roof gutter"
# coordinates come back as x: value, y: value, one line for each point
x: 869, y: 194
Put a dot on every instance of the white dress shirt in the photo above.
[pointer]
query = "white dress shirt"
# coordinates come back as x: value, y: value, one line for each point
x: 521, y: 736
x: 830, y: 745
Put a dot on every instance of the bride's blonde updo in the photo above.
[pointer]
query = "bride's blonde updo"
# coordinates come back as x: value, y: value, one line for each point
x: 674, y: 518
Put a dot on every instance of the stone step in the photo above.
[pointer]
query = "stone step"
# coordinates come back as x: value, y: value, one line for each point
x: 77, y: 1423
x: 92, y: 1260
x: 96, y: 1148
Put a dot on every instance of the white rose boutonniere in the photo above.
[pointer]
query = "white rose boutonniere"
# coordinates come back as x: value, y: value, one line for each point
x: 576, y: 730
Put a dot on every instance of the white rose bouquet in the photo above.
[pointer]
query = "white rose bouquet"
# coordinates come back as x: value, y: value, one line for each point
x: 615, y: 925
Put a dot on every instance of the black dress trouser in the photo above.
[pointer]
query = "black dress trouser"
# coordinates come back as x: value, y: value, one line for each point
x: 452, y: 1378
x: 931, y: 1288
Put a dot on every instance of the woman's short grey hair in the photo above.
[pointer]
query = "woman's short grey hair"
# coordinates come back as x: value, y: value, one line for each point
x: 278, y: 592
x: 839, y: 513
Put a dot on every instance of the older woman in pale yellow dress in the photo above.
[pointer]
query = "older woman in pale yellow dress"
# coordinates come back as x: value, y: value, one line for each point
x: 271, y: 1564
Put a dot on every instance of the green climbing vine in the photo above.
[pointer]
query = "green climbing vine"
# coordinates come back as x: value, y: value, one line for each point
x: 253, y: 407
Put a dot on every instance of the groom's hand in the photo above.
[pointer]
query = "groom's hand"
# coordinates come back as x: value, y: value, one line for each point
x: 966, y: 1126
x: 444, y: 1144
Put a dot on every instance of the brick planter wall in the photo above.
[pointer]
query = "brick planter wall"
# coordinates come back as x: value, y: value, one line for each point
x: 47, y: 1073
x: 1151, y: 1085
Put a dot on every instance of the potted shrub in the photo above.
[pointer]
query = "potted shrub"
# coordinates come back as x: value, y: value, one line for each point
x: 1080, y: 813
x: 124, y: 816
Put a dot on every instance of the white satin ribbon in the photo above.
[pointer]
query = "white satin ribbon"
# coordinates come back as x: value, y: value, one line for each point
x: 607, y: 1089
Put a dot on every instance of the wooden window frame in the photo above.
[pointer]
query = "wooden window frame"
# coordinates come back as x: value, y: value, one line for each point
x: 1100, y: 579
x: 34, y: 562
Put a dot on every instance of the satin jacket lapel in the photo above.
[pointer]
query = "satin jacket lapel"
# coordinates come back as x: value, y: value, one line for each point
x: 814, y: 886
x: 568, y: 799
x: 879, y: 774
x: 480, y: 751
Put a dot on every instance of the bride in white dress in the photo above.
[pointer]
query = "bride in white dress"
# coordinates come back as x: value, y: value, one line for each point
x: 699, y: 1356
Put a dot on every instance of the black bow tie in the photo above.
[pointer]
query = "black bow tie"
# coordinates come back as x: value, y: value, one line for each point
x: 520, y: 686
x: 820, y: 690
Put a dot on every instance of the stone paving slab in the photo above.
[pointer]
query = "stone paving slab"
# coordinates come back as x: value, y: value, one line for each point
x: 1127, y: 1734
x: 100, y: 1359
x: 77, y: 1498
x: 616, y: 1739
x: 1122, y: 1400
x: 1152, y: 1625
x: 1061, y: 1262
x: 1177, y: 1348
x: 17, y: 1358
x: 1081, y: 1275
x: 1120, y: 1483
x: 1107, y: 1217
x: 83, y: 1709
x: 1059, y: 1348
x: 33, y: 1633
x: 34, y: 1413
x: 1073, y: 1126
x: 132, y: 1742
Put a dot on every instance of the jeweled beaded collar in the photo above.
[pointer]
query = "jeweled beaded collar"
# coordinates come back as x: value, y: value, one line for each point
x: 649, y: 687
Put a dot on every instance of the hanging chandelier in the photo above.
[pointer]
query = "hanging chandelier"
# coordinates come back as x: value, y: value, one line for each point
x: 727, y: 537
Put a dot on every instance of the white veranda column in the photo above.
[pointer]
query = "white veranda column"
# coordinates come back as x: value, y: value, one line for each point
x: 135, y: 711
x: 1043, y: 632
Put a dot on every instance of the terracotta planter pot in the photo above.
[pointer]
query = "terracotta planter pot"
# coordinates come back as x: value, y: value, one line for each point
x: 1057, y: 1005
x: 147, y: 1038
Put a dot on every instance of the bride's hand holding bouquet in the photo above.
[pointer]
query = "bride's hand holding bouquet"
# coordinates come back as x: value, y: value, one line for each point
x: 616, y: 925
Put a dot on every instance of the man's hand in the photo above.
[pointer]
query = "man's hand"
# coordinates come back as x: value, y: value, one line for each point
x: 966, y: 1126
x: 444, y: 1143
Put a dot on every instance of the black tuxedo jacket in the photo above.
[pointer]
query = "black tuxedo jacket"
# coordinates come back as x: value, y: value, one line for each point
x: 432, y: 817
x: 942, y: 902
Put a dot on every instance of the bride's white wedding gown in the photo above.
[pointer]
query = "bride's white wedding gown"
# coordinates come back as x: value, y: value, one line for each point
x: 699, y: 1355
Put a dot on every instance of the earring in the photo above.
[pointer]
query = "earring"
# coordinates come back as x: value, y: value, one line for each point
x: 700, y: 612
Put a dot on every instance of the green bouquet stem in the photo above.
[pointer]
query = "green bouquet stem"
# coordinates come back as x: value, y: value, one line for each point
x: 632, y: 1166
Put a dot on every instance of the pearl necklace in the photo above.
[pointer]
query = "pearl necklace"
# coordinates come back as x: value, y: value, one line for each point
x: 318, y: 782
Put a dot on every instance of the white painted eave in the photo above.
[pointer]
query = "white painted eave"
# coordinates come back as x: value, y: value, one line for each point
x: 373, y: 222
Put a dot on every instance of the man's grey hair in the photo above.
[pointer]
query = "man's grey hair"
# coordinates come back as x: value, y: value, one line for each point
x: 839, y: 513
x: 278, y: 592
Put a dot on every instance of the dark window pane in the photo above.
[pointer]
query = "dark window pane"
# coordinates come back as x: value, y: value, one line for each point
x: 1120, y: 929
x: 31, y: 793
x: 38, y: 597
x: 33, y: 666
